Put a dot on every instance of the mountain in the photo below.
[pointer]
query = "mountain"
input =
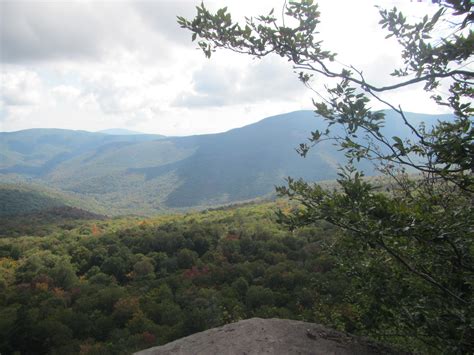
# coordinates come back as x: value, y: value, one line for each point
x: 146, y: 174
x: 36, y: 152
x: 31, y: 209
x: 119, y: 132
x: 16, y: 201
x: 30, y: 198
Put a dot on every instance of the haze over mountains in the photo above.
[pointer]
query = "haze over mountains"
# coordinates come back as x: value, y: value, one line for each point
x: 119, y: 131
x: 121, y: 173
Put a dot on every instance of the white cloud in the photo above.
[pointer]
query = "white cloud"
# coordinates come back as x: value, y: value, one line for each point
x: 75, y: 30
x: 86, y: 64
x: 270, y: 79
x: 46, y: 30
x: 66, y: 92
x: 21, y: 88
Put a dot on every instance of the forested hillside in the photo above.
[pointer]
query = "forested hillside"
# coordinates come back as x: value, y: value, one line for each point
x: 115, y: 286
x: 146, y: 174
x: 37, y: 152
x: 22, y: 198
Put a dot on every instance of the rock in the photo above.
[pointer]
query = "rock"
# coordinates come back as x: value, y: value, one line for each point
x: 270, y: 336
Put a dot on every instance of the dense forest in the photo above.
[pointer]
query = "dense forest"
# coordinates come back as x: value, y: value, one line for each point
x: 117, y: 285
x: 106, y: 288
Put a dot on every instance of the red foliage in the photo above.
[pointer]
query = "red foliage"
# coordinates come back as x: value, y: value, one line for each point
x: 232, y: 236
x: 195, y: 272
x: 148, y: 337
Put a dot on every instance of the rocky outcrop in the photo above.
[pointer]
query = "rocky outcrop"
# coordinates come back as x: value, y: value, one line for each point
x: 270, y: 336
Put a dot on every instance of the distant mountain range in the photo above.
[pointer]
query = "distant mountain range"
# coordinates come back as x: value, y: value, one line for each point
x: 145, y: 174
x: 119, y: 132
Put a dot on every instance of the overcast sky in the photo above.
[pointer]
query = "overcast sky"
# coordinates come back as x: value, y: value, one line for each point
x: 94, y: 65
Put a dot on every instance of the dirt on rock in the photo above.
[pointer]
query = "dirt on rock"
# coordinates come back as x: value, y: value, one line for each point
x: 270, y: 336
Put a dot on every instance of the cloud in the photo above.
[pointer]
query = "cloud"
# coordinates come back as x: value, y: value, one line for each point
x: 32, y: 31
x: 45, y: 30
x: 161, y: 17
x: 89, y: 64
x: 66, y: 92
x: 22, y: 93
x: 270, y: 79
x: 122, y: 90
x: 21, y: 88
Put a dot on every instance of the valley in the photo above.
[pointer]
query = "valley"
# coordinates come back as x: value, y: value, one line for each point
x: 147, y: 174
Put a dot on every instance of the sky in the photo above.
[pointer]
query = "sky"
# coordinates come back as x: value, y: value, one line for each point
x: 92, y: 65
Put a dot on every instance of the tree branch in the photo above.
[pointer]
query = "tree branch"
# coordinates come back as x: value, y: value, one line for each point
x: 423, y: 275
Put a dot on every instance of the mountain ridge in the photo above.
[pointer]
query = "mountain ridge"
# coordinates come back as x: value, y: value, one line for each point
x: 119, y: 131
x: 148, y: 174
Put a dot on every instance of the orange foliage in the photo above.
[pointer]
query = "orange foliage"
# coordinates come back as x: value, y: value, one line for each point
x: 95, y: 230
x: 8, y: 263
x: 58, y: 292
x: 41, y: 286
x: 91, y: 348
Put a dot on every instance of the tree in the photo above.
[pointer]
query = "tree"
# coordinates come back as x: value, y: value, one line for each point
x: 416, y: 233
